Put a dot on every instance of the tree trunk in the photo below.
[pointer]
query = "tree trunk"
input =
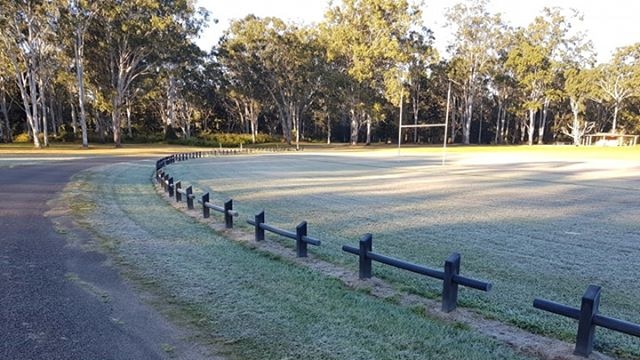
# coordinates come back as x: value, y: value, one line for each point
x: 466, y: 126
x: 354, y: 128
x: 576, y: 126
x: 34, y: 109
x: 480, y: 129
x: 43, y: 106
x: 368, y: 130
x: 116, y: 120
x: 54, y: 122
x: 79, y: 56
x: 543, y: 123
x: 531, y: 129
x: 128, y: 109
x: 328, y: 129
x: 453, y: 122
x: 614, y: 125
x: 74, y: 119
x: 8, y: 137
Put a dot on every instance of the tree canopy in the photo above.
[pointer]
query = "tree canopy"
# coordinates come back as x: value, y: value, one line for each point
x: 114, y: 71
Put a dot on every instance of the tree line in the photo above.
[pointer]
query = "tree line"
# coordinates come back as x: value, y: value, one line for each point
x: 113, y: 70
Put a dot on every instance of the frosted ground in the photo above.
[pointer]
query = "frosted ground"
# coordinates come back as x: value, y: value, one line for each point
x: 535, y: 224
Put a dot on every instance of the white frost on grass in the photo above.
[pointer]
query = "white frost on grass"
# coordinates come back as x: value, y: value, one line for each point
x: 259, y: 307
x: 534, y: 226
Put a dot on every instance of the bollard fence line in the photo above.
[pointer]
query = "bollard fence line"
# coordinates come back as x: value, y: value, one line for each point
x: 588, y: 318
x: 226, y: 209
x: 450, y: 276
x: 300, y: 235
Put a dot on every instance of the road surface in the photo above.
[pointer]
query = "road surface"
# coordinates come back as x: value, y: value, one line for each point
x: 61, y: 302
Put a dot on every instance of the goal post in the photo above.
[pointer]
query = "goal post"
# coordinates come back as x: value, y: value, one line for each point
x: 445, y: 125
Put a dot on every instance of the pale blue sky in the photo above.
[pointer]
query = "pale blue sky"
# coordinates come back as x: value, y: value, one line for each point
x: 610, y: 24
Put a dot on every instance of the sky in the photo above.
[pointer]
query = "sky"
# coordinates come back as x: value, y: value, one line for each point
x: 609, y: 24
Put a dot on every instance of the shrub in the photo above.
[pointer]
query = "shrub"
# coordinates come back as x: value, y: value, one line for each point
x: 224, y: 139
x: 22, y: 138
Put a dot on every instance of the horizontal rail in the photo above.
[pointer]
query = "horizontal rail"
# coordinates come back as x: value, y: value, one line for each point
x: 450, y: 277
x: 285, y: 233
x: 603, y: 321
x: 556, y: 308
x: 281, y: 232
x: 300, y: 235
x: 217, y: 208
x: 312, y: 241
x: 588, y: 318
x: 617, y: 325
x: 419, y: 269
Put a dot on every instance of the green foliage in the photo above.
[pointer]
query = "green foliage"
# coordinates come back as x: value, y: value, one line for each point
x: 22, y: 138
x: 66, y: 134
x: 223, y: 139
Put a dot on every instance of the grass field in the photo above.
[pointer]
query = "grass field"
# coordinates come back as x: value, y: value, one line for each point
x: 249, y: 303
x: 537, y: 223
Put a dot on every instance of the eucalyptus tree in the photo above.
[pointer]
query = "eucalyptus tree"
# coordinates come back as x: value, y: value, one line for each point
x: 77, y: 16
x: 365, y: 37
x: 579, y: 87
x: 474, y: 48
x: 130, y: 39
x: 539, y: 57
x: 26, y: 26
x: 620, y: 79
x: 243, y: 86
x: 422, y: 56
x: 282, y: 60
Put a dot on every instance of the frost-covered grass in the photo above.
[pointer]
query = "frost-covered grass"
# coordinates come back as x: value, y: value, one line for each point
x: 254, y: 305
x: 537, y: 224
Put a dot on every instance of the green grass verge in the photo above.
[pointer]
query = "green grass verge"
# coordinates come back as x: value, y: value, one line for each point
x: 544, y: 228
x: 255, y: 306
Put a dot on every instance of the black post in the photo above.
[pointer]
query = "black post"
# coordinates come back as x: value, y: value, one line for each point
x: 366, y: 245
x: 178, y: 194
x: 586, y: 327
x: 228, y: 218
x: 170, y: 187
x: 449, y: 287
x: 205, y: 209
x: 301, y: 246
x: 189, y: 198
x: 259, y: 219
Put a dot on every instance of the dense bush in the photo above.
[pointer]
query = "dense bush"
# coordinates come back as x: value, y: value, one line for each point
x: 223, y: 139
x: 22, y: 138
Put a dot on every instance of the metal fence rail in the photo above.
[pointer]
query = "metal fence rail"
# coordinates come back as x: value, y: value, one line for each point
x: 588, y: 318
x: 450, y: 276
x: 300, y: 235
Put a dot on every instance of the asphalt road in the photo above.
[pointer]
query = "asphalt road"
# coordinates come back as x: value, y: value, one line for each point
x: 61, y: 302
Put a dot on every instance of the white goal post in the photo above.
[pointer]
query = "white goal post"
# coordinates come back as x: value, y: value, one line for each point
x: 445, y: 125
